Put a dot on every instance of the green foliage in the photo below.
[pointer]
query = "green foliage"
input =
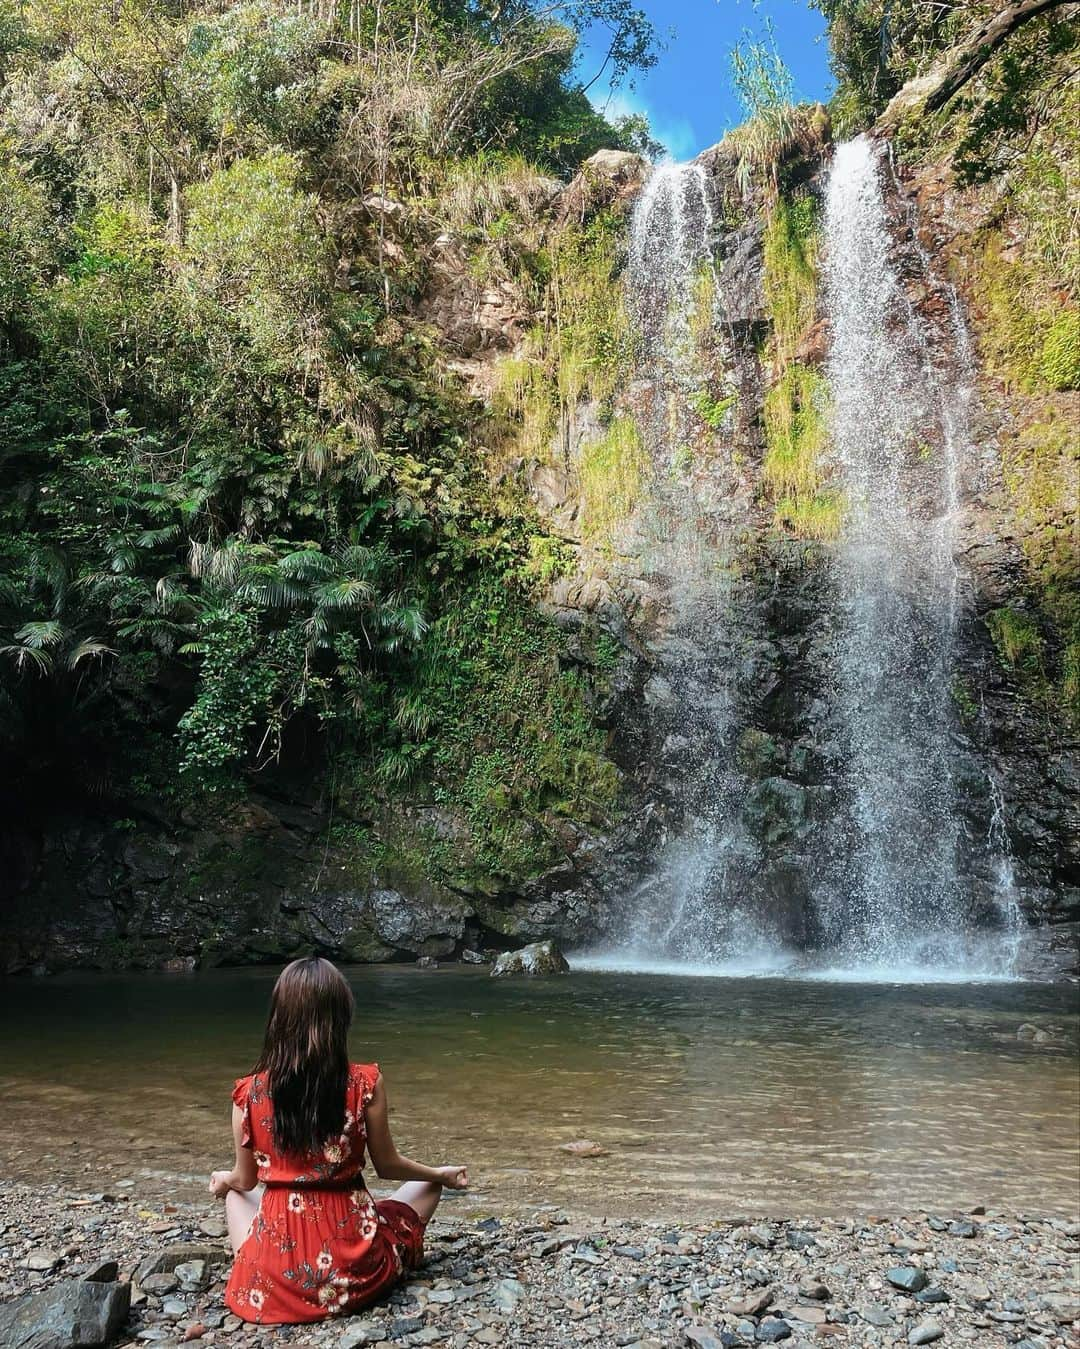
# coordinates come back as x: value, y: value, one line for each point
x: 1041, y: 465
x: 713, y: 411
x: 1028, y: 338
x: 1059, y: 359
x: 505, y: 738
x: 1017, y: 639
x: 242, y: 511
x: 759, y: 74
x: 583, y: 350
x: 795, y: 405
x: 610, y: 472
x: 876, y: 45
x: 791, y: 280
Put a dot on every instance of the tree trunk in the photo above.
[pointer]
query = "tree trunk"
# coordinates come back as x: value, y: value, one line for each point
x: 176, y: 210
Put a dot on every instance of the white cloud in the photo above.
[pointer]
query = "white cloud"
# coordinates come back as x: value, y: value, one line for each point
x: 676, y: 134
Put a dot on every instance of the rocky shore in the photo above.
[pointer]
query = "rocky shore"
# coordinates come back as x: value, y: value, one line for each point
x: 984, y: 1278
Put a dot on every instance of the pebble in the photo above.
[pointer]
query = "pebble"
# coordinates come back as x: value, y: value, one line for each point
x: 909, y: 1278
x: 551, y: 1280
x: 42, y: 1261
x: 772, y: 1331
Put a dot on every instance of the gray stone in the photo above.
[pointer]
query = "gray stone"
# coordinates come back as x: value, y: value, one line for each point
x: 191, y: 1273
x: 932, y: 1294
x: 772, y: 1331
x: 105, y: 1271
x: 365, y: 1332
x: 926, y: 1332
x: 166, y: 1261
x: 963, y: 1228
x: 540, y: 958
x: 874, y: 1314
x: 1064, y: 1307
x: 909, y: 1278
x: 42, y: 1261
x: 77, y: 1314
x: 753, y: 1304
x: 703, y: 1337
x: 159, y: 1285
x: 507, y: 1293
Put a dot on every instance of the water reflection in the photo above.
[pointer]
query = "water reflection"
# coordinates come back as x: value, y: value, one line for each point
x: 710, y: 1097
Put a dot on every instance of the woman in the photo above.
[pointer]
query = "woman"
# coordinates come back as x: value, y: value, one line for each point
x: 311, y: 1242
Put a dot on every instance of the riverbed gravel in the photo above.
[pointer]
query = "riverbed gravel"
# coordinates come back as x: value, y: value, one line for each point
x: 553, y: 1278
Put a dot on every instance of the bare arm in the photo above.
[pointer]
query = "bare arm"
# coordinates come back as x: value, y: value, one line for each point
x: 389, y: 1164
x: 244, y: 1173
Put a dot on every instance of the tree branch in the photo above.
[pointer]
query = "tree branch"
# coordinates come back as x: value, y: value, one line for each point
x: 927, y: 93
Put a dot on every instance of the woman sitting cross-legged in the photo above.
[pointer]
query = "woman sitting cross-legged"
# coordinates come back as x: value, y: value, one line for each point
x: 309, y: 1240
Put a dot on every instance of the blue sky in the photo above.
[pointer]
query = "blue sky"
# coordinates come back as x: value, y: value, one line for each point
x: 688, y: 96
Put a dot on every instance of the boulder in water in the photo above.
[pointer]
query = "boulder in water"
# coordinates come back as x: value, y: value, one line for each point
x: 542, y: 957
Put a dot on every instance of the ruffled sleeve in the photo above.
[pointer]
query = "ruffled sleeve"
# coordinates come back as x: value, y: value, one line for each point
x: 369, y: 1076
x: 242, y: 1097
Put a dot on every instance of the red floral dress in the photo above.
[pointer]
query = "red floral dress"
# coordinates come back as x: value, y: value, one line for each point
x: 320, y: 1245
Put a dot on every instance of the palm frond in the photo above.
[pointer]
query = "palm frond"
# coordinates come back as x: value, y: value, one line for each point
x: 87, y: 649
x: 39, y: 636
x: 307, y: 564
x: 344, y: 593
x: 24, y: 656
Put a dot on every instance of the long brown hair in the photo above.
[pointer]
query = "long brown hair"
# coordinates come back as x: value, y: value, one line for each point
x: 305, y: 1054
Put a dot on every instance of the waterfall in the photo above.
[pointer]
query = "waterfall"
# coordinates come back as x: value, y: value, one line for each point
x: 692, y: 909
x: 881, y: 878
x: 892, y: 896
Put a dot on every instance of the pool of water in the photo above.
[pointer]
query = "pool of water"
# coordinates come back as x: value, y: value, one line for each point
x: 712, y: 1097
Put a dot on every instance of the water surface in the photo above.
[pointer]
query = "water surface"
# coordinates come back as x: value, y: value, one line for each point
x: 711, y: 1097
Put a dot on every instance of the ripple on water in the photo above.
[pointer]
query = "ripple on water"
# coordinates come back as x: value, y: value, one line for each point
x: 737, y: 1094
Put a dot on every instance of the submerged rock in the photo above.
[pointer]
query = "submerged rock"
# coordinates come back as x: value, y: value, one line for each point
x: 542, y: 957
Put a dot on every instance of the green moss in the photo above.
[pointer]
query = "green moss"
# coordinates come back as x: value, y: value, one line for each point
x: 611, y: 472
x: 582, y: 350
x: 713, y: 411
x: 819, y: 517
x: 1041, y: 467
x: 702, y: 313
x: 523, y: 394
x: 794, y: 407
x: 1059, y: 359
x: 791, y: 248
x: 1017, y: 639
x: 508, y: 745
x: 795, y: 436
x: 964, y: 699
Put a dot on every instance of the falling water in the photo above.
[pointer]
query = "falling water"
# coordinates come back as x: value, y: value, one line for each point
x: 892, y: 897
x: 692, y: 910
